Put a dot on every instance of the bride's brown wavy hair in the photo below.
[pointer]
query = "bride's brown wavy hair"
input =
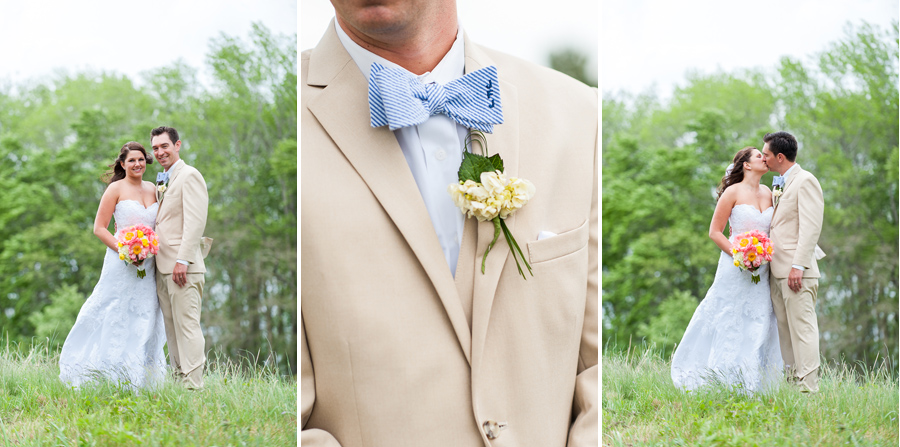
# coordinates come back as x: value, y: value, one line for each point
x: 117, y: 172
x: 737, y: 171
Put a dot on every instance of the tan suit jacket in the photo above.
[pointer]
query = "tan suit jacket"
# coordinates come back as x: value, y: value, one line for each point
x: 388, y: 354
x: 181, y: 220
x: 796, y: 225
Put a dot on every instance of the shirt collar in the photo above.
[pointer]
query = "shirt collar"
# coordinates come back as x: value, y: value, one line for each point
x: 785, y: 176
x: 173, y: 165
x: 451, y: 67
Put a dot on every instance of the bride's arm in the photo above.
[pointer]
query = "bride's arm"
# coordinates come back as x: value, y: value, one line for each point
x: 104, y: 214
x: 720, y: 218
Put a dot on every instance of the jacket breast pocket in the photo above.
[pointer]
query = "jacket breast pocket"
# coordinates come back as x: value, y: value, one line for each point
x: 560, y: 245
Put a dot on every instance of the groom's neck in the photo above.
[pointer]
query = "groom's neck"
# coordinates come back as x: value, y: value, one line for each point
x: 787, y: 167
x: 171, y: 166
x: 416, y: 45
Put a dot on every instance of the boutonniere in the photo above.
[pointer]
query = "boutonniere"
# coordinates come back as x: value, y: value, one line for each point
x: 776, y: 193
x: 486, y: 193
x: 777, y: 187
x: 162, y: 181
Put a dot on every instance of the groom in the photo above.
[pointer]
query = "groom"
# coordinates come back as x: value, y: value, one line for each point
x: 794, y: 274
x: 183, y: 200
x: 405, y: 341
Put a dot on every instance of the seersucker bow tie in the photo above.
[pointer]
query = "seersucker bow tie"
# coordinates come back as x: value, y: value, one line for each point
x: 778, y: 180
x: 397, y: 99
x: 162, y: 177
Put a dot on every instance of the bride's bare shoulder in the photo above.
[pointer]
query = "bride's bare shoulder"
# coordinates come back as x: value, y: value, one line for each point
x: 730, y: 193
x: 113, y: 189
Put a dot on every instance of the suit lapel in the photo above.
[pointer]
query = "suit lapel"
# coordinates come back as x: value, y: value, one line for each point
x: 505, y: 141
x: 342, y: 110
x: 172, y: 175
x: 794, y: 174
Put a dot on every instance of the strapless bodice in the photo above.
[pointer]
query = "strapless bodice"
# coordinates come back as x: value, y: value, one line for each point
x: 747, y: 217
x: 132, y: 212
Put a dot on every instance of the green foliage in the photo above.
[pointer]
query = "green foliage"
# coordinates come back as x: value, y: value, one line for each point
x: 667, y: 327
x: 642, y: 407
x: 662, y: 162
x: 56, y: 319
x: 573, y: 63
x: 57, y: 138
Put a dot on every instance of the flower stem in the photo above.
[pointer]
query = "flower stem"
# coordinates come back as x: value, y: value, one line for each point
x: 497, y: 222
x: 514, y: 247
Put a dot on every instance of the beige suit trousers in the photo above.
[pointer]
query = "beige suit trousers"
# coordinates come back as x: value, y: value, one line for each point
x: 796, y: 315
x: 181, y: 311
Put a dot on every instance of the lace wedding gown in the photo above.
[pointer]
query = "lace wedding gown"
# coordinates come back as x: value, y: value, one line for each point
x: 119, y: 334
x: 733, y: 336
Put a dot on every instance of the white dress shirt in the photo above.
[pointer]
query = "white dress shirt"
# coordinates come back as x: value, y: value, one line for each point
x: 433, y: 149
x: 784, y: 179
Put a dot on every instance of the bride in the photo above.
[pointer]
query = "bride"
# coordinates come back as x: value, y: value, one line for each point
x: 733, y: 337
x: 119, y: 334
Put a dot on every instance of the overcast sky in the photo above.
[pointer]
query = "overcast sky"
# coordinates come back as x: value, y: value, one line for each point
x: 644, y: 42
x: 127, y: 37
x: 657, y: 41
x: 530, y: 30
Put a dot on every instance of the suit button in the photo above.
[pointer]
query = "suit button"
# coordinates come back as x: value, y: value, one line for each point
x: 492, y: 428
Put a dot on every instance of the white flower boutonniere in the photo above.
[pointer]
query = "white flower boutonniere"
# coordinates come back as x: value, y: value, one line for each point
x: 776, y: 193
x: 486, y: 193
x: 162, y: 181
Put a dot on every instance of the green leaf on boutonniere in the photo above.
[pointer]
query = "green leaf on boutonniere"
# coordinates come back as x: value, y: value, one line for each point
x: 473, y: 165
x: 497, y: 162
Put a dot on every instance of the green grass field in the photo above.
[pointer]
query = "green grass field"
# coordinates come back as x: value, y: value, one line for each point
x: 642, y: 407
x: 236, y: 408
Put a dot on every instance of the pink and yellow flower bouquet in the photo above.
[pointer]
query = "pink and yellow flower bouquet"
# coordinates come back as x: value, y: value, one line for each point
x: 137, y: 243
x: 750, y: 251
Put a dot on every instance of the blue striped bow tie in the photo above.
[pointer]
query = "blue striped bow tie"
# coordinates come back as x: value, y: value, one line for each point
x: 778, y: 180
x: 397, y: 99
x: 162, y: 177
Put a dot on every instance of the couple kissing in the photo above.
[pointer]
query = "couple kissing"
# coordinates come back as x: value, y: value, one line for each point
x: 746, y: 331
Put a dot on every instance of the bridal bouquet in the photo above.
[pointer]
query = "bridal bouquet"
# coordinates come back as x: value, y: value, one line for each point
x: 750, y: 251
x: 137, y: 243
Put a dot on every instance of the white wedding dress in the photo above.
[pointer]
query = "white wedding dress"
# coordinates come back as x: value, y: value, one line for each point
x: 119, y: 334
x: 733, y: 336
